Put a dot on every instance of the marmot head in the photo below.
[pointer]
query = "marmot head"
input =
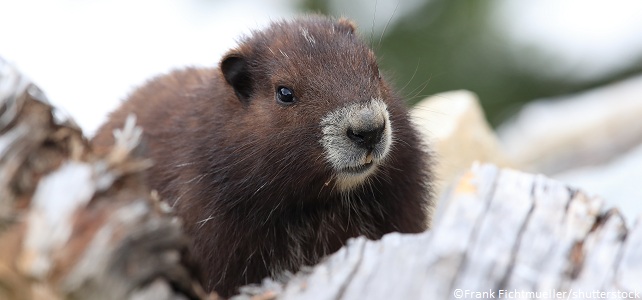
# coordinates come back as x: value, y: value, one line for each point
x: 315, y: 89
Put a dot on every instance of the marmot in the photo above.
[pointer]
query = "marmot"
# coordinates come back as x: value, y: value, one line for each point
x: 294, y: 144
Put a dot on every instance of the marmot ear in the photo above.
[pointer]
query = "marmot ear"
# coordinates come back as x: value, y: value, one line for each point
x: 345, y: 25
x: 235, y: 70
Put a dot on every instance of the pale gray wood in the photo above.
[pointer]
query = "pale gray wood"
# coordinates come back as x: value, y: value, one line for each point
x: 542, y: 243
x: 491, y: 251
x: 628, y: 275
x: 74, y: 225
x: 600, y: 252
x: 453, y: 235
x: 580, y: 215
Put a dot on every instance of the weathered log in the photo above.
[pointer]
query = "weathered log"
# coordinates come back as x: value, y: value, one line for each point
x: 77, y: 226
x: 504, y: 233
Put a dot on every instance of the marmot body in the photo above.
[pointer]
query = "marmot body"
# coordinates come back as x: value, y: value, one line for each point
x: 274, y: 159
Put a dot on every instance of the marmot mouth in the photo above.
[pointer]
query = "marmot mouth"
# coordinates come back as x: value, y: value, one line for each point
x: 356, y: 170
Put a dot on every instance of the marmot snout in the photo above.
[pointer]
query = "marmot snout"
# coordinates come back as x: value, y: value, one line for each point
x: 356, y: 139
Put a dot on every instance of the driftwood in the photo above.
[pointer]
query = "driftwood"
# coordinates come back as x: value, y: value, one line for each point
x: 77, y: 226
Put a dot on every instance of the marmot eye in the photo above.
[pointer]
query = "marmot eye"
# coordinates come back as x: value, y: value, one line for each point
x: 284, y: 95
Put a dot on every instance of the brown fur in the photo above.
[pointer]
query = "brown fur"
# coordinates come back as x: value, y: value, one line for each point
x: 248, y: 175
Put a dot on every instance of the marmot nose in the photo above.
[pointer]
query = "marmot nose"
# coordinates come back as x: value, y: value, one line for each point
x: 366, y: 138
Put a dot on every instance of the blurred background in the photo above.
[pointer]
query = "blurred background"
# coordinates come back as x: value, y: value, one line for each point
x: 93, y: 53
x: 88, y: 55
